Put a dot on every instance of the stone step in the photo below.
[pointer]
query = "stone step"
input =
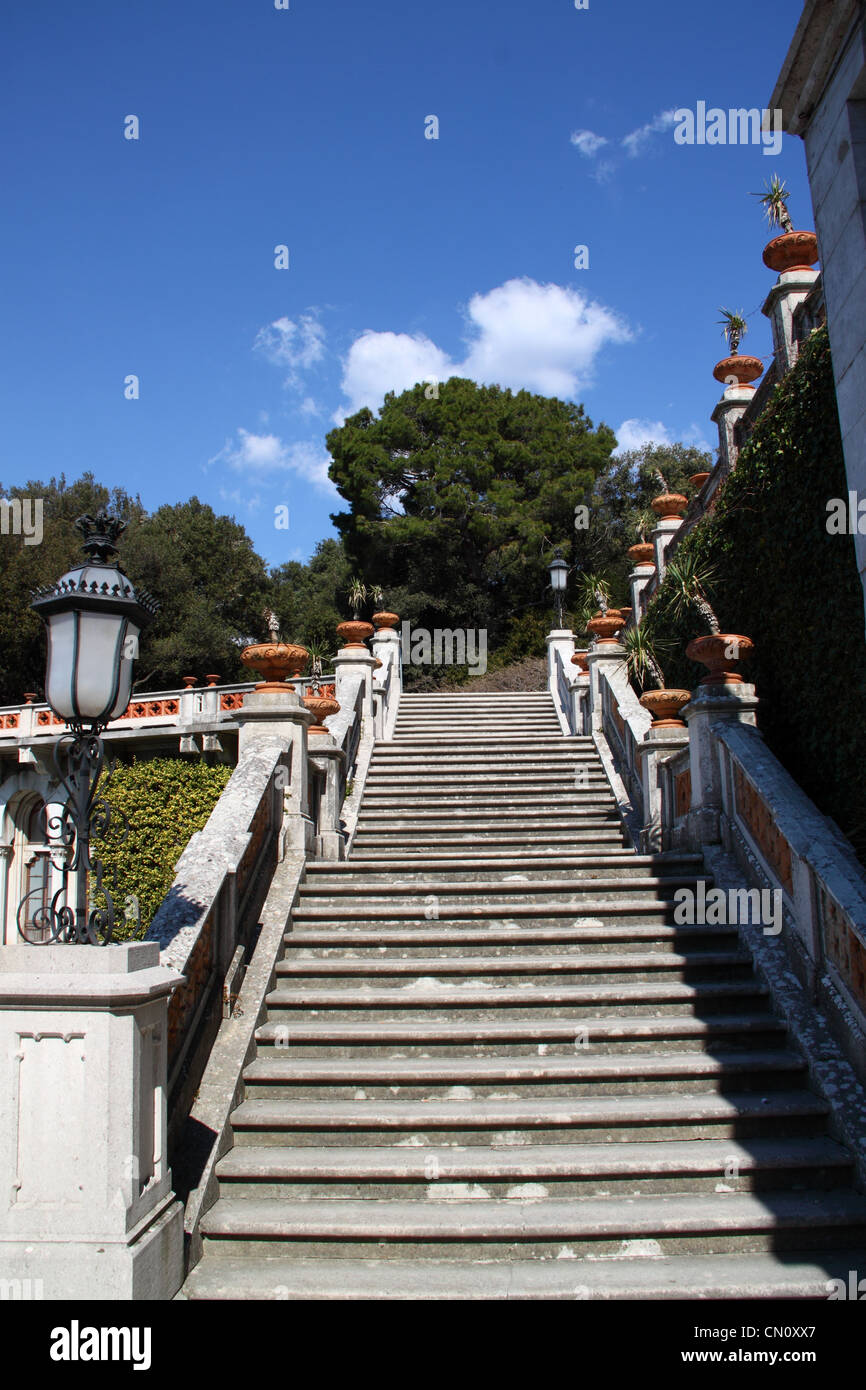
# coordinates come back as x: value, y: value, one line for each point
x: 556, y: 1170
x: 479, y: 1001
x: 535, y: 968
x: 581, y: 1068
x: 421, y: 937
x: 635, y: 909
x: 595, y: 832
x: 742, y: 1115
x: 475, y: 868
x: 593, y: 1225
x: 541, y: 1035
x: 453, y: 746
x: 538, y: 853
x: 493, y: 890
x: 494, y: 819
x: 724, y: 1276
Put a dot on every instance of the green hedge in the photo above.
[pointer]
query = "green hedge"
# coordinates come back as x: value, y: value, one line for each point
x: 794, y: 589
x: 165, y: 800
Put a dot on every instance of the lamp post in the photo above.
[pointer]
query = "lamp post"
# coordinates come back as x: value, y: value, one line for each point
x: 94, y: 617
x: 558, y: 571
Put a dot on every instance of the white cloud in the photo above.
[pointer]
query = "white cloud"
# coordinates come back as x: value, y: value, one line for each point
x: 262, y: 454
x: 587, y: 142
x: 297, y: 345
x: 634, y: 433
x: 522, y: 335
x: 308, y: 407
x: 637, y: 139
x: 380, y: 362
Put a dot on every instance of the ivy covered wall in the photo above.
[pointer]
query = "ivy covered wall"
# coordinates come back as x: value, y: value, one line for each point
x: 792, y: 587
x: 165, y: 801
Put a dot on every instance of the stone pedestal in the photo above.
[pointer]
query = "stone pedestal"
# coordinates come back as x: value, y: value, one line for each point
x: 280, y: 716
x: 657, y: 744
x: 609, y: 656
x: 580, y: 694
x: 727, y: 413
x: 387, y: 647
x: 87, y: 1209
x: 790, y: 289
x: 353, y: 662
x: 559, y: 640
x: 661, y: 539
x: 709, y: 707
x: 329, y: 841
x: 638, y: 580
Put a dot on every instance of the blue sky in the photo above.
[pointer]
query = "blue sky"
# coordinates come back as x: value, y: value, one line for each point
x: 408, y: 257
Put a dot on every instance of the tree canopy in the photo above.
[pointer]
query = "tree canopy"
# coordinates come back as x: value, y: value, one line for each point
x: 455, y: 499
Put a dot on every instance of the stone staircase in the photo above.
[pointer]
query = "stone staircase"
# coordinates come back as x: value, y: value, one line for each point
x: 494, y: 1067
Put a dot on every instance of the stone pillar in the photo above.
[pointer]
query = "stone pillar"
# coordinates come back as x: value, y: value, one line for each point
x: 791, y: 288
x: 387, y: 647
x: 559, y: 640
x: 274, y: 714
x: 600, y: 657
x: 639, y: 578
x: 88, y: 1210
x: 329, y: 842
x: 727, y: 413
x: 661, y: 539
x: 657, y: 745
x: 8, y: 929
x: 355, y: 661
x: 580, y: 694
x: 710, y: 706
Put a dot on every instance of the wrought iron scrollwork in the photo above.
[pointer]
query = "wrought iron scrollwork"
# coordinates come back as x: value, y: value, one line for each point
x: 79, y: 761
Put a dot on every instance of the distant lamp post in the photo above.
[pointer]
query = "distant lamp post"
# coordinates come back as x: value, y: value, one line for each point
x: 94, y: 618
x: 558, y: 571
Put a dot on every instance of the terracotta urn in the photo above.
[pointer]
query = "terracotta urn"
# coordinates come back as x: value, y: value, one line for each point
x: 322, y: 706
x: 30, y: 696
x: 605, y: 626
x: 697, y: 480
x: 744, y: 369
x: 354, y: 633
x: 664, y: 706
x: 625, y: 613
x: 580, y: 659
x: 190, y: 681
x: 720, y: 652
x: 386, y: 622
x: 377, y: 664
x: 791, y: 251
x: 642, y: 554
x: 276, y: 661
x: 215, y: 680
x: 669, y: 506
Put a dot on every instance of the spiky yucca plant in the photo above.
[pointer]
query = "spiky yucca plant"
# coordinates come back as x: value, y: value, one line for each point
x: 690, y: 581
x: 641, y: 658
x: 734, y: 327
x: 775, y: 203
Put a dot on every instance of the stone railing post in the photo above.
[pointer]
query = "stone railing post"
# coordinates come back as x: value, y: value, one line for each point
x: 710, y: 706
x: 329, y: 842
x: 606, y: 656
x: 275, y: 714
x: 658, y: 744
x: 661, y: 539
x: 88, y: 1210
x: 639, y: 578
x: 559, y: 640
x: 386, y: 645
x: 791, y: 288
x: 351, y: 662
x: 730, y: 409
x: 580, y: 695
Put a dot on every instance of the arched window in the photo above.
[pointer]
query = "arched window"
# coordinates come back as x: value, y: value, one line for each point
x: 37, y: 868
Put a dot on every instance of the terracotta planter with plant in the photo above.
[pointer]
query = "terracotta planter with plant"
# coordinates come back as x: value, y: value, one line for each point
x: 320, y: 701
x: 718, y: 651
x: 642, y: 554
x: 278, y: 662
x: 743, y: 369
x: 355, y: 632
x: 791, y: 250
x: 642, y: 664
x: 668, y: 506
x: 697, y: 480
x: 580, y: 659
x: 386, y: 622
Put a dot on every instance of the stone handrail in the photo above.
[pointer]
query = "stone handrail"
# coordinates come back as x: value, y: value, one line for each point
x: 220, y: 883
